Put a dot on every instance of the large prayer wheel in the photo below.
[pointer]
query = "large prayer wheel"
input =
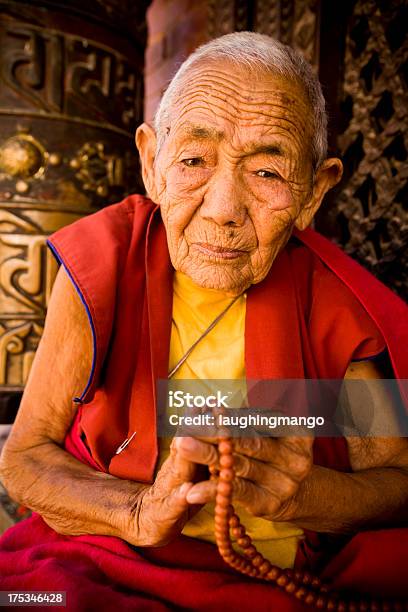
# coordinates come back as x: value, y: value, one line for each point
x: 71, y: 95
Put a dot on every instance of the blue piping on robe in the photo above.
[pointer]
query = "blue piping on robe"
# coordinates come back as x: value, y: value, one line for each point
x: 78, y: 400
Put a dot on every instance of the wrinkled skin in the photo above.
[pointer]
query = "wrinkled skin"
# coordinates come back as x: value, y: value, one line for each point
x: 234, y: 174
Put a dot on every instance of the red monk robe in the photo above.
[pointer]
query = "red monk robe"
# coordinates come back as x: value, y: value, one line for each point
x: 119, y: 263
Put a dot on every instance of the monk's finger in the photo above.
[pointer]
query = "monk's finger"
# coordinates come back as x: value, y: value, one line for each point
x: 278, y: 484
x: 196, y: 451
x: 263, y: 449
x: 269, y: 483
x: 183, y: 468
x: 202, y: 493
x: 299, y: 444
x: 283, y: 479
x: 255, y: 499
x: 294, y: 462
x: 262, y: 444
x: 268, y: 449
x: 290, y: 457
x: 174, y: 504
x: 174, y: 472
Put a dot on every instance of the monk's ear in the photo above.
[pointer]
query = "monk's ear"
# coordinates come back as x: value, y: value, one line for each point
x: 146, y: 143
x: 327, y: 176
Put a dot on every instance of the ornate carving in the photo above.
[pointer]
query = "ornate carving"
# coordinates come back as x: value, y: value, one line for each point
x: 305, y: 36
x: 286, y: 22
x: 294, y: 22
x: 27, y: 269
x: 221, y: 17
x: 56, y: 72
x: 267, y: 17
x: 370, y: 206
x: 19, y: 340
x: 27, y: 272
x: 96, y: 170
x: 99, y: 78
x: 71, y: 93
x: 243, y: 16
x: 31, y: 54
x: 24, y: 161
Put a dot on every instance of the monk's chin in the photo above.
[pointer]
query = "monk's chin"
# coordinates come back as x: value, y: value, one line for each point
x: 228, y: 279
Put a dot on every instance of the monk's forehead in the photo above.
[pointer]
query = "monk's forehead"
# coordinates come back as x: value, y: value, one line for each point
x: 227, y: 95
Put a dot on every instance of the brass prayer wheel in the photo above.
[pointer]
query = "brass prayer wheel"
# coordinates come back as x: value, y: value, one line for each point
x: 71, y: 94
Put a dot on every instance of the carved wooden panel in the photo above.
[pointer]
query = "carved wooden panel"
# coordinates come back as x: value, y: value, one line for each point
x: 221, y: 18
x: 368, y: 214
x: 71, y: 93
x: 295, y: 22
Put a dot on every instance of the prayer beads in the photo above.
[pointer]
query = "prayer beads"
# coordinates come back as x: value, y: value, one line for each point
x: 302, y: 585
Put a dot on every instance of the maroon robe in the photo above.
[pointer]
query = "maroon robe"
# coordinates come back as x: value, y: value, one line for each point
x: 302, y: 321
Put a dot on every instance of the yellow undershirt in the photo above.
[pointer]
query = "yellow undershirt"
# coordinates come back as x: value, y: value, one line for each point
x: 220, y: 355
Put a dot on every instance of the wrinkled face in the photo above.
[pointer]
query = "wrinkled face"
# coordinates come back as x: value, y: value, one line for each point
x: 234, y: 174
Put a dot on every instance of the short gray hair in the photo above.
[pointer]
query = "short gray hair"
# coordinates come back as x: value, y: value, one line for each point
x: 254, y: 51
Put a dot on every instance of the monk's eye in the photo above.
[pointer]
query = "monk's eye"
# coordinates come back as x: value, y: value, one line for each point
x: 266, y: 174
x: 192, y: 162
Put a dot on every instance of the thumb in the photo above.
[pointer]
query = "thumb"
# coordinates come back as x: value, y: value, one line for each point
x: 177, y: 502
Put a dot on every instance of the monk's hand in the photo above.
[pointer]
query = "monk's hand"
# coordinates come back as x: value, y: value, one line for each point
x: 269, y: 473
x: 159, y: 512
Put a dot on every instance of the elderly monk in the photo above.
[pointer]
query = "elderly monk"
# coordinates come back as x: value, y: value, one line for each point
x: 235, y: 169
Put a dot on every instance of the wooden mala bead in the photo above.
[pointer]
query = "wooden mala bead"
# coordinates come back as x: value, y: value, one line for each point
x: 301, y: 585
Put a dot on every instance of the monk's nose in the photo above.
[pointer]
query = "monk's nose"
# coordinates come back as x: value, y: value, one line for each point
x: 223, y: 204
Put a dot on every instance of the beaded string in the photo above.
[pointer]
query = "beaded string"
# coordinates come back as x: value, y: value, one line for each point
x: 302, y: 585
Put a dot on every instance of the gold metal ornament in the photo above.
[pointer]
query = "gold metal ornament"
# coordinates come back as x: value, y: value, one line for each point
x: 22, y: 156
x: 96, y: 170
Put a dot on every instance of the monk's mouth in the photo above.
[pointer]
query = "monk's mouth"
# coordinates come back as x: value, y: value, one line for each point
x: 219, y: 252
